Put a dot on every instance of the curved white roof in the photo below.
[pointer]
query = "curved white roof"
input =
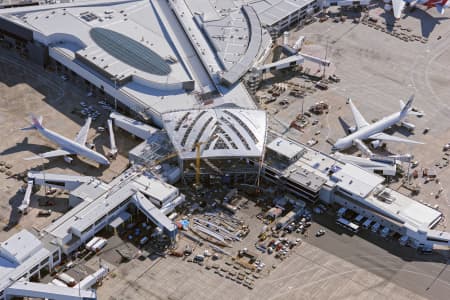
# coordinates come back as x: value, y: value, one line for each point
x: 111, y: 36
x: 222, y: 132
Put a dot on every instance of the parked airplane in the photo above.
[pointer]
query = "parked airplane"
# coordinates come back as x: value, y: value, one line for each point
x: 67, y: 146
x: 364, y: 130
x: 398, y: 5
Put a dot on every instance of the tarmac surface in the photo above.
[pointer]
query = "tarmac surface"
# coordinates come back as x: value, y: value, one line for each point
x: 335, y: 266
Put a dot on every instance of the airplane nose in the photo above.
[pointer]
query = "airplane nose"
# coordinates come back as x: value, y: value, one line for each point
x: 336, y: 146
x: 104, y: 161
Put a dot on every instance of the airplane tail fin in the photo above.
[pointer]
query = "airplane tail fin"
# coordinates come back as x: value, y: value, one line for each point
x: 36, y: 123
x: 407, y: 107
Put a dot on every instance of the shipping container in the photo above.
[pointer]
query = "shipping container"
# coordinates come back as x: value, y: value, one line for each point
x: 99, y: 245
x: 92, y: 242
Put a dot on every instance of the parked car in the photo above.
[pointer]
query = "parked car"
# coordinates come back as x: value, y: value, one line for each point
x: 320, y: 233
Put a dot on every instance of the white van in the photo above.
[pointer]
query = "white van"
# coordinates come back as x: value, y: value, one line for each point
x: 366, y: 224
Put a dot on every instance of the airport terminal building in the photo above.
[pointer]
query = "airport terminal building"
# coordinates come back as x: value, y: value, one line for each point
x: 314, y: 176
x: 193, y: 91
x: 178, y: 66
x: 184, y: 56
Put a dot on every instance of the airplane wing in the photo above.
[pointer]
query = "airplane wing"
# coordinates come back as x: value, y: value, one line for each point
x: 397, y: 8
x: 390, y: 138
x: 50, y: 154
x: 359, y: 119
x: 83, y: 133
x: 366, y: 163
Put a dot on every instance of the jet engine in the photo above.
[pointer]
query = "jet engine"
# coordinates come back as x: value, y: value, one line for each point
x: 375, y: 144
x: 351, y: 129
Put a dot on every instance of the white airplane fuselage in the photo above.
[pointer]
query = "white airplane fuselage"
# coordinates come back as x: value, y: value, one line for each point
x: 71, y: 146
x: 365, y: 132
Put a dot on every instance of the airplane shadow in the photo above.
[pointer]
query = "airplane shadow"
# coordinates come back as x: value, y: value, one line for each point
x: 15, y: 215
x: 400, y: 129
x: 25, y: 146
x: 80, y: 166
x: 389, y: 19
x: 427, y: 21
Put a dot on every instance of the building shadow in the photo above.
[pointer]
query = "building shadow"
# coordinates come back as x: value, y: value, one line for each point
x: 54, y: 90
x: 55, y: 203
x: 390, y: 245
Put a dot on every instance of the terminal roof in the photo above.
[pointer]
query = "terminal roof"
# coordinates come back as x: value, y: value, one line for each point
x: 272, y: 11
x: 18, y: 255
x: 355, y: 180
x: 20, y: 246
x: 221, y: 132
x: 403, y: 208
x: 285, y: 148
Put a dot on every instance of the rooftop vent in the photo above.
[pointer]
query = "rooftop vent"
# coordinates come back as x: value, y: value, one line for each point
x: 385, y: 196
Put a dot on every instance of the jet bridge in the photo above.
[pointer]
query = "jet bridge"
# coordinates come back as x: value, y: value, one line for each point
x: 155, y: 215
x: 291, y: 61
x: 65, y: 182
x: 47, y: 291
x: 26, y: 199
x: 388, y: 168
x: 112, y: 139
x: 134, y: 127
